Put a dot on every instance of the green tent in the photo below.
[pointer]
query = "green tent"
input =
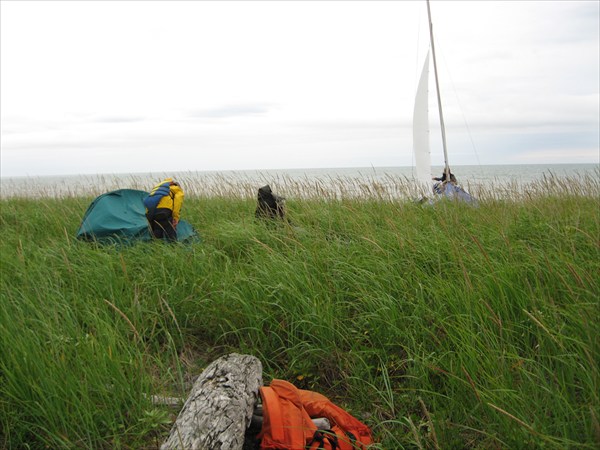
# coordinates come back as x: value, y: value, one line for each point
x: 120, y: 216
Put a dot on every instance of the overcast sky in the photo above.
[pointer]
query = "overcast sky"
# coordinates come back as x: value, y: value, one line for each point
x: 126, y: 87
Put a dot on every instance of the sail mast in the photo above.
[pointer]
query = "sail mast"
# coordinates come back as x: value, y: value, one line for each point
x: 439, y: 99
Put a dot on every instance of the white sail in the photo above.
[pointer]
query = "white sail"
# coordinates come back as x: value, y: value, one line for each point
x: 421, y: 128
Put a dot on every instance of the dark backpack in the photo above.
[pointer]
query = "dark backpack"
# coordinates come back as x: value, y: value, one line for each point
x: 269, y: 206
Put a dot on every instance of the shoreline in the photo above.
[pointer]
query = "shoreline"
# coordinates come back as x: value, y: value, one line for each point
x: 367, y: 182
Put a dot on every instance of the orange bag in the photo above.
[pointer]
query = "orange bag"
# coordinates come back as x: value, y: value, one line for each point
x: 287, y: 423
x: 351, y: 433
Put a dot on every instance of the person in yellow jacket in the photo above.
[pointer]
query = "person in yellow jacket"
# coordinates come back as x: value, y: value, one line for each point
x: 163, y: 209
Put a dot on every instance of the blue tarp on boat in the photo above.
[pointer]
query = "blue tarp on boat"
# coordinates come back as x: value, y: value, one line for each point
x: 454, y: 192
x: 448, y: 191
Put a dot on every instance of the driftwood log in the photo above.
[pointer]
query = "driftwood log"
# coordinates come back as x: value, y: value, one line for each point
x: 219, y: 408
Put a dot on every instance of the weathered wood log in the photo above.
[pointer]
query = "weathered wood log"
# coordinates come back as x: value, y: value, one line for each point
x: 219, y: 408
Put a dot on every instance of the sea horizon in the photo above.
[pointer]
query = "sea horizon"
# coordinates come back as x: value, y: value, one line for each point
x: 292, y: 169
x: 95, y: 184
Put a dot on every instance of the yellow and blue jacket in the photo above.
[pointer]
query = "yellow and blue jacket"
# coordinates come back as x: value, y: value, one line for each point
x: 166, y: 194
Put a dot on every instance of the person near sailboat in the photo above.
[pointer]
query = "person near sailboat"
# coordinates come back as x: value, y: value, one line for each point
x: 443, y: 178
x: 446, y: 186
x: 440, y: 186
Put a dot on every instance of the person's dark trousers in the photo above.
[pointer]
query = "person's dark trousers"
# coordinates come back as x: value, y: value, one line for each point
x: 161, y: 224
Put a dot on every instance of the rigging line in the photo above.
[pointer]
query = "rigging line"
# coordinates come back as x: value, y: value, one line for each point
x: 462, y: 111
x: 416, y: 83
x: 418, y: 69
x: 417, y: 65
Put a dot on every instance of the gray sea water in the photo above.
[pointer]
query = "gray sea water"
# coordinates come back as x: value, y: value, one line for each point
x: 286, y: 181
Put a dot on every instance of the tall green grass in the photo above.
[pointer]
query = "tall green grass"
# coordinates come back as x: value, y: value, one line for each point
x: 440, y: 327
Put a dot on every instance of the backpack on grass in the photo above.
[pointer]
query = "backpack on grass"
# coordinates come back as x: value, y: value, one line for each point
x: 270, y: 205
x: 288, y: 425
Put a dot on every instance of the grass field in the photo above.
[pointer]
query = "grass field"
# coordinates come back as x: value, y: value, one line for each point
x: 440, y: 327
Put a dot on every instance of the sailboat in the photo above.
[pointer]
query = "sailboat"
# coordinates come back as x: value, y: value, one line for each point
x: 446, y: 185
